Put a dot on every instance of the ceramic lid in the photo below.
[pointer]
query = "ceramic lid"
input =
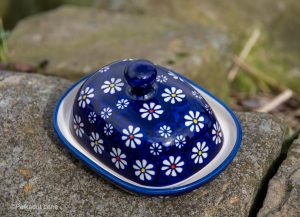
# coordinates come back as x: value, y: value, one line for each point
x: 146, y: 123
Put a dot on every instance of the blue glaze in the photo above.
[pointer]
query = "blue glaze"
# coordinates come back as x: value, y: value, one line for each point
x: 140, y: 189
x: 140, y: 73
x: 98, y: 109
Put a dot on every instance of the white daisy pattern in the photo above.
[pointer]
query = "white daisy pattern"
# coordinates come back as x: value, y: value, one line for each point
x: 118, y: 158
x: 85, y: 97
x: 175, y: 76
x: 165, y: 131
x: 161, y: 78
x: 172, y: 166
x: 78, y: 126
x: 128, y: 59
x: 217, y: 133
x: 151, y: 111
x: 106, y: 113
x: 180, y: 141
x: 108, y: 129
x: 155, y: 148
x: 194, y: 121
x: 208, y: 109
x: 196, y: 94
x: 92, y: 117
x: 199, y: 152
x: 132, y: 136
x: 173, y: 95
x: 96, y: 143
x: 143, y: 170
x: 113, y: 85
x: 104, y: 69
x: 122, y: 103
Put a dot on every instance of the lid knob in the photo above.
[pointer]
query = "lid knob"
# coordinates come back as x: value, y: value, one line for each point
x: 141, y: 75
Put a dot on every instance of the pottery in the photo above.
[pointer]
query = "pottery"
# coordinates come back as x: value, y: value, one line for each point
x: 146, y: 128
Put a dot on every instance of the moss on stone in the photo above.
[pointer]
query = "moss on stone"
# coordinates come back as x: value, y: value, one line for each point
x: 76, y: 41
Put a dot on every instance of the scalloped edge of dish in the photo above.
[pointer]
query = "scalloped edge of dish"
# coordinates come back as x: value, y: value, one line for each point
x: 228, y: 121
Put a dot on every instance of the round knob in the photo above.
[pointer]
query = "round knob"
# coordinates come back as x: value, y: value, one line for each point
x: 141, y: 75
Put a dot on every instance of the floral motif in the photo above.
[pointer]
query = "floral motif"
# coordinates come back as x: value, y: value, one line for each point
x: 165, y: 131
x: 128, y: 59
x: 197, y: 94
x: 208, y: 109
x: 155, y: 148
x: 108, y: 129
x: 122, y: 103
x: 92, y: 117
x: 106, y: 113
x: 199, y: 152
x: 85, y: 96
x: 172, y: 166
x: 96, y: 143
x: 118, y: 158
x: 161, y: 78
x: 143, y: 170
x: 180, y: 141
x: 151, y: 111
x: 217, y: 133
x: 113, y: 85
x: 132, y: 136
x: 173, y: 95
x: 104, y: 69
x: 78, y: 126
x: 194, y: 121
x: 175, y: 76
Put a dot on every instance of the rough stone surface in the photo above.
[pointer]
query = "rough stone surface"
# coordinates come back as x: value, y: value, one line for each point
x: 72, y: 41
x: 12, y: 10
x: 283, y: 197
x: 37, y: 172
x: 277, y: 51
x: 196, y: 37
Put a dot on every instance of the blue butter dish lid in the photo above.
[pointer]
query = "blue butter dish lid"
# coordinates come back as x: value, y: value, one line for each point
x: 146, y: 128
